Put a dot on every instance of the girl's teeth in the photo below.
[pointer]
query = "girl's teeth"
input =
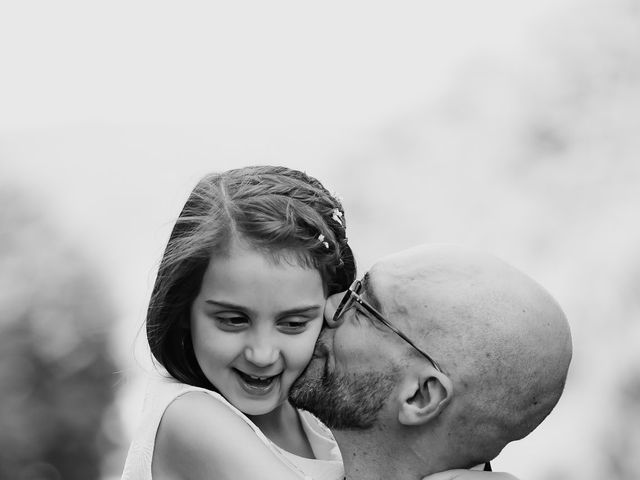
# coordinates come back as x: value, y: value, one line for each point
x: 255, y: 378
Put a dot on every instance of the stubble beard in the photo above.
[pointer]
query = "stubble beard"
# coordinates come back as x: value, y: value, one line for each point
x: 342, y: 400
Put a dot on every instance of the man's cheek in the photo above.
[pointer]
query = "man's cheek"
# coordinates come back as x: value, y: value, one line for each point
x: 350, y: 349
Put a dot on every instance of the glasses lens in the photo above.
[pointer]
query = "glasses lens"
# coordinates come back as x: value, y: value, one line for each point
x: 345, y: 304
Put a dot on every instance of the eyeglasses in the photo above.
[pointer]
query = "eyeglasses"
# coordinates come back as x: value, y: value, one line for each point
x: 353, y: 296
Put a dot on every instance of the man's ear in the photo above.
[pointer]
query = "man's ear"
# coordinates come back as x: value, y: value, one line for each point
x: 424, y: 396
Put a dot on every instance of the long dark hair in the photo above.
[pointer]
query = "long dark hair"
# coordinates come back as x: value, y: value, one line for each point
x: 275, y: 209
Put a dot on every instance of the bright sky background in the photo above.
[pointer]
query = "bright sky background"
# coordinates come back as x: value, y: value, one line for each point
x: 290, y: 64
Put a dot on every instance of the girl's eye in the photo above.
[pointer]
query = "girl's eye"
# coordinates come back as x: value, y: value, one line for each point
x: 231, y: 323
x: 293, y: 326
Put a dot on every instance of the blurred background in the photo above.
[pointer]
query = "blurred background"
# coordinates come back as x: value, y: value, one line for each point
x: 510, y: 126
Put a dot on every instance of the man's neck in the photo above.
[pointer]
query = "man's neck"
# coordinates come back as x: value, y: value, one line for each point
x: 373, y: 455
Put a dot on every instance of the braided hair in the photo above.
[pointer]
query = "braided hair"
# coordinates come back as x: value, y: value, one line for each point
x: 277, y: 210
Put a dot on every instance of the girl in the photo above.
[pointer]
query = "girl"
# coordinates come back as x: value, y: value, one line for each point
x: 234, y: 315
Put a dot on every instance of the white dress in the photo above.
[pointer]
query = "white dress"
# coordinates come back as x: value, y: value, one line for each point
x: 162, y: 391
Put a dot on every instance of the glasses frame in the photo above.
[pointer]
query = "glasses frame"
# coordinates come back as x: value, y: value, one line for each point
x: 353, y: 295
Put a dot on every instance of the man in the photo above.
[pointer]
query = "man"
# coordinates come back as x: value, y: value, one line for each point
x: 437, y: 360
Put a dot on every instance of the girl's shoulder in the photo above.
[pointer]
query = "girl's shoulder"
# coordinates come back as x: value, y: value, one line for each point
x: 200, y: 433
x: 176, y: 399
x: 196, y: 421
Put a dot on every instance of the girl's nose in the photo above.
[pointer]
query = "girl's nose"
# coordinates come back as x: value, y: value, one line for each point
x: 261, y: 353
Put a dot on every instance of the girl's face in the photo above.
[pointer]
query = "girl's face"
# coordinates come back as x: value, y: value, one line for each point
x: 254, y: 325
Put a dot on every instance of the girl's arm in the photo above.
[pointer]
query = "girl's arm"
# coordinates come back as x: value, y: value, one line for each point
x: 200, y: 438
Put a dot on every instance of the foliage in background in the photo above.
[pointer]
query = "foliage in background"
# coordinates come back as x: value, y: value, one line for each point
x: 537, y: 160
x: 56, y: 372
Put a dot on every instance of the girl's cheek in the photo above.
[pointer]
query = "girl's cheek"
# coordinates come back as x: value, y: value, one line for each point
x: 304, y: 349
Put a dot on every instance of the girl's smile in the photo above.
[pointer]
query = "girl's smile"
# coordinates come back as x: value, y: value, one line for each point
x: 257, y: 385
x: 254, y: 325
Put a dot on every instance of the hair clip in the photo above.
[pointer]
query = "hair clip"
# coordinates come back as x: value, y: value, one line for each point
x: 337, y: 216
x: 321, y: 237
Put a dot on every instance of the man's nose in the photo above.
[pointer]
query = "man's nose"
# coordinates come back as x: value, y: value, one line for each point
x: 330, y: 309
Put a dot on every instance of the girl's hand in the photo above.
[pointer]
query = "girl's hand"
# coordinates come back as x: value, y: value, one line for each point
x: 470, y: 475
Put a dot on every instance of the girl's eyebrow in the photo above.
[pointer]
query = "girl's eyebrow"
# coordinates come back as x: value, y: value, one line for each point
x: 217, y: 303
x: 299, y: 310
x: 290, y: 311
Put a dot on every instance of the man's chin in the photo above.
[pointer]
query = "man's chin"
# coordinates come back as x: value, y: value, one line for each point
x: 343, y: 401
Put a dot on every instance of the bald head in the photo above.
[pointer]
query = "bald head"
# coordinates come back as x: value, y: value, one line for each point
x: 501, y: 338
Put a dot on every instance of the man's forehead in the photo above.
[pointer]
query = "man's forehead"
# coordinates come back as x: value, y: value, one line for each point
x: 390, y: 272
x: 426, y: 264
x: 439, y: 277
x: 409, y: 282
x: 386, y: 288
